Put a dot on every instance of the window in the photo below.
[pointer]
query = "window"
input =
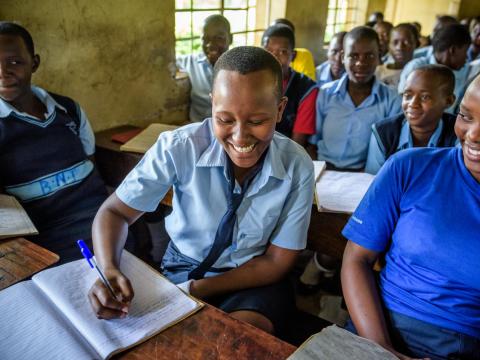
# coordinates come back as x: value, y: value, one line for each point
x: 190, y: 15
x: 340, y: 17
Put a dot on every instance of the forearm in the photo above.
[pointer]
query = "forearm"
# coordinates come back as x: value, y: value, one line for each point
x: 259, y: 271
x: 363, y: 301
x: 110, y: 231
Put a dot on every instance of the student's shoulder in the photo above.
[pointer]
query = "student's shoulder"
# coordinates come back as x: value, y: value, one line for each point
x: 291, y: 154
x: 190, y: 59
x: 417, y: 161
x: 303, y: 79
x: 195, y: 136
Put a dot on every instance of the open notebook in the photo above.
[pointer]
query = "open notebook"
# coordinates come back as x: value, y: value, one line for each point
x: 50, y: 316
x: 144, y: 141
x: 338, y: 191
x: 334, y: 343
x: 14, y: 221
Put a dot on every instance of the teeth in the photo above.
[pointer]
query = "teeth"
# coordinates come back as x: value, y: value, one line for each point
x: 473, y: 152
x: 244, y: 149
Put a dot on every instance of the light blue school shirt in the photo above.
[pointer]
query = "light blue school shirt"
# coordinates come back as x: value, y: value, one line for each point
x: 275, y: 209
x: 323, y: 73
x: 343, y: 130
x: 423, y: 210
x: 85, y: 132
x: 463, y: 76
x: 423, y: 51
x: 376, y: 153
x: 200, y: 73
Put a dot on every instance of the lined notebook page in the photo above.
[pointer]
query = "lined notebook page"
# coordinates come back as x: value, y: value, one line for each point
x: 31, y: 328
x: 144, y: 141
x: 157, y: 304
x: 14, y: 221
x: 341, y: 191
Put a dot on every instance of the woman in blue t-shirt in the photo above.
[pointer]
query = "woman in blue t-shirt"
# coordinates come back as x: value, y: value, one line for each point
x: 423, y: 212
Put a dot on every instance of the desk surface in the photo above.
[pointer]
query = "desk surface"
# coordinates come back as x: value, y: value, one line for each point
x: 211, y: 334
x: 324, y: 234
x: 20, y: 258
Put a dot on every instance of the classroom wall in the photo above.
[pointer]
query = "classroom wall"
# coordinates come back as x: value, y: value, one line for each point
x: 423, y: 11
x: 309, y: 17
x: 469, y: 8
x: 116, y: 58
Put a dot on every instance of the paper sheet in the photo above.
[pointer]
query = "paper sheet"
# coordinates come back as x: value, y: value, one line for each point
x: 318, y: 168
x: 144, y: 141
x: 31, y: 328
x: 157, y: 303
x: 341, y: 191
x: 14, y: 221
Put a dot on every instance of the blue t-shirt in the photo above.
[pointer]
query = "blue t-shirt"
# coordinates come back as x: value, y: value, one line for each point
x: 424, y: 209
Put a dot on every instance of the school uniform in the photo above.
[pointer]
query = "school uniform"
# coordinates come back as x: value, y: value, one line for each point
x: 343, y: 129
x: 299, y: 113
x: 390, y: 77
x: 200, y: 73
x: 430, y: 284
x: 324, y: 73
x: 392, y: 135
x: 470, y: 54
x: 275, y: 208
x: 463, y: 76
x: 45, y: 165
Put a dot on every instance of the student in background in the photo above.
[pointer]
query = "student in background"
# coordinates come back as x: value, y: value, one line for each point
x: 422, y: 40
x: 473, y: 51
x: 440, y: 22
x: 298, y: 119
x: 383, y: 29
x: 374, y: 17
x: 426, y: 304
x: 216, y: 39
x: 347, y: 108
x: 46, y: 150
x: 302, y: 60
x: 450, y: 46
x: 428, y: 93
x: 241, y: 206
x: 333, y: 68
x: 403, y: 41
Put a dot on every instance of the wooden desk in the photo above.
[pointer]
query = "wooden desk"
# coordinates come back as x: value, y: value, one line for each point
x: 211, y: 334
x: 20, y: 258
x: 324, y: 234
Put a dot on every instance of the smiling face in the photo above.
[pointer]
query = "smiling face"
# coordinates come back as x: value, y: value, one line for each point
x: 402, y: 45
x: 215, y: 40
x: 467, y: 128
x: 245, y: 111
x: 281, y: 48
x: 360, y: 58
x: 424, y: 101
x: 16, y: 68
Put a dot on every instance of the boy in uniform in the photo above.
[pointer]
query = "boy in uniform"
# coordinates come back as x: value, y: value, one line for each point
x: 241, y: 206
x: 298, y: 120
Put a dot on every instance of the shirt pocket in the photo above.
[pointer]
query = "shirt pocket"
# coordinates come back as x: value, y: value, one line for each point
x: 256, y: 233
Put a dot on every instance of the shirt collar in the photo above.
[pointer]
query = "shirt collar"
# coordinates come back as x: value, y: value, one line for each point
x: 215, y: 156
x: 341, y: 89
x: 6, y: 109
x: 406, y: 140
x: 325, y: 74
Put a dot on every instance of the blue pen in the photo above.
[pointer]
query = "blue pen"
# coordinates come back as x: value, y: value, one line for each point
x: 91, y: 261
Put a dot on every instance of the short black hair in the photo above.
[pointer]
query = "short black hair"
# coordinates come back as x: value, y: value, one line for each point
x: 279, y: 30
x: 362, y: 32
x: 441, y: 74
x: 340, y: 36
x: 409, y: 27
x: 451, y: 35
x: 249, y: 59
x: 217, y: 18
x: 10, y: 28
x: 388, y: 24
x: 284, y: 22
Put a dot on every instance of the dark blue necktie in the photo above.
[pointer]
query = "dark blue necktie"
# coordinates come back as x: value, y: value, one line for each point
x: 224, y: 234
